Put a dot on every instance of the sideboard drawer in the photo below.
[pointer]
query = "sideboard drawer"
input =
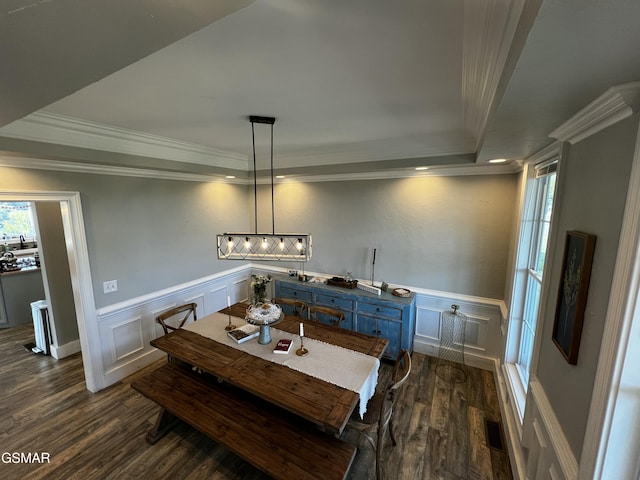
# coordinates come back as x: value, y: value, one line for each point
x: 302, y: 295
x: 343, y: 304
x: 380, y: 311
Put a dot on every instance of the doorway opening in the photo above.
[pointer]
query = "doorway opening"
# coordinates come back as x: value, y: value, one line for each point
x: 70, y: 211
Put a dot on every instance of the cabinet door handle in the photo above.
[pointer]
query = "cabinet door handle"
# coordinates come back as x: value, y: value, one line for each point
x: 377, y: 309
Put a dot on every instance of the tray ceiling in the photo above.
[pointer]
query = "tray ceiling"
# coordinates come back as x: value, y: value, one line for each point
x: 355, y: 86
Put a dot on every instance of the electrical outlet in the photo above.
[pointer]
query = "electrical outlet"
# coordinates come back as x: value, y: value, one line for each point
x: 110, y: 286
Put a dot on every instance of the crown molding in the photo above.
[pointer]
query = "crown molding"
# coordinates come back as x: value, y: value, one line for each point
x: 97, y: 169
x: 62, y: 130
x: 438, y: 171
x: 489, y: 28
x: 545, y: 154
x: 614, y: 105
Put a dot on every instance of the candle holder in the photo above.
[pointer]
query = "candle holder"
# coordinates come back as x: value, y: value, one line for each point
x: 230, y: 326
x: 301, y: 352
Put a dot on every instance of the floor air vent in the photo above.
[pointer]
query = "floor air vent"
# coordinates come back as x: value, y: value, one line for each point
x: 494, y: 434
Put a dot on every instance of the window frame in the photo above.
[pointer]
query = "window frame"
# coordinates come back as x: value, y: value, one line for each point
x: 546, y: 163
x: 28, y: 236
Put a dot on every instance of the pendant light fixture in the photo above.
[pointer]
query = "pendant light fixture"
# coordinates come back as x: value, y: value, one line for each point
x: 264, y: 246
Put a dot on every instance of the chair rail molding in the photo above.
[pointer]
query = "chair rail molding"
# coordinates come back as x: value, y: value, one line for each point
x: 126, y: 329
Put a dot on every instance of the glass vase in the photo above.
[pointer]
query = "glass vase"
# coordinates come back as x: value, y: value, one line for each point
x: 259, y: 296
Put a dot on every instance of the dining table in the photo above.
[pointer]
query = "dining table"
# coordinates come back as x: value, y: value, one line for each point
x: 326, y: 404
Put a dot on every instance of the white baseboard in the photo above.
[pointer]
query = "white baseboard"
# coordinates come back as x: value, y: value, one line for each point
x: 126, y: 369
x: 65, y: 350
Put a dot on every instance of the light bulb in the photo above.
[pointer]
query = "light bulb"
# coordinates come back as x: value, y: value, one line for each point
x: 281, y: 243
x: 265, y: 244
x: 247, y: 243
x: 299, y: 244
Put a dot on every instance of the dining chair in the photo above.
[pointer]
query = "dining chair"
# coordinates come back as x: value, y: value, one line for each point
x: 183, y: 312
x: 379, y: 415
x: 325, y: 314
x: 299, y: 307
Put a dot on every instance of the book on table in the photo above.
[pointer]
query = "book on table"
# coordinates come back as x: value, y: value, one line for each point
x: 244, y: 333
x: 283, y: 346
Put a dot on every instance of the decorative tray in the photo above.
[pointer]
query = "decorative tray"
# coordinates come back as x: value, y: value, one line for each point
x: 341, y: 282
x: 401, y: 292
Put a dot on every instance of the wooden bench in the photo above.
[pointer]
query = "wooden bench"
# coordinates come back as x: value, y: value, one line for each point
x: 272, y: 439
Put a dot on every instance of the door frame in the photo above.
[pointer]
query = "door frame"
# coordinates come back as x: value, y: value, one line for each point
x: 81, y: 281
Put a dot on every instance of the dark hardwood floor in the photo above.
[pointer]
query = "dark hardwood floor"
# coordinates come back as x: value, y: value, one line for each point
x: 45, y: 408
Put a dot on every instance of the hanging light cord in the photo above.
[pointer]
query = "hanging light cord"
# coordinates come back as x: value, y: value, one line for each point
x: 273, y: 210
x: 255, y: 175
x: 255, y: 183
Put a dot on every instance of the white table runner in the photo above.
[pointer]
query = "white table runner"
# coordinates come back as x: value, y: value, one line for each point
x: 345, y: 368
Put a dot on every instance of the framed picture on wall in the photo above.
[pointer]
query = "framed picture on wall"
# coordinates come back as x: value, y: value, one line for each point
x: 572, y: 293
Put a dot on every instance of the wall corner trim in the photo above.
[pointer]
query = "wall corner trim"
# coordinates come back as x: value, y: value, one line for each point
x: 614, y: 105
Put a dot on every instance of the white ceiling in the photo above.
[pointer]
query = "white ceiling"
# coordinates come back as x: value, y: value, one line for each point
x: 355, y: 86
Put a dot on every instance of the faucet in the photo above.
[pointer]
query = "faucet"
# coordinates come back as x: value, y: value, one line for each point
x: 21, y: 242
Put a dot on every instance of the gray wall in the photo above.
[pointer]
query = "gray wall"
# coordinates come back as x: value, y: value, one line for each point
x: 147, y: 234
x: 55, y: 267
x: 594, y: 188
x: 444, y: 233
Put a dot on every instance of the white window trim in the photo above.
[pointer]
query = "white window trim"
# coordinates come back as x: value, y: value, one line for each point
x: 517, y: 390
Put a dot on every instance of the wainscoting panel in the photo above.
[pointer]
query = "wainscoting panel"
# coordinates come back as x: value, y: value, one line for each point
x: 126, y: 329
x: 546, y: 452
x: 198, y: 299
x: 220, y: 296
x: 482, y: 333
x: 126, y: 339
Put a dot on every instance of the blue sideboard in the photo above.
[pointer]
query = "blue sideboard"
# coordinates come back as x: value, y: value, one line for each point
x: 383, y: 315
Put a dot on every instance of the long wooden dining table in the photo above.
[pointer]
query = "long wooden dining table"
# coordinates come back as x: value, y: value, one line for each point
x: 326, y: 405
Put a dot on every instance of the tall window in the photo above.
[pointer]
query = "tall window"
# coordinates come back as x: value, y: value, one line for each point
x: 542, y: 204
x: 532, y: 253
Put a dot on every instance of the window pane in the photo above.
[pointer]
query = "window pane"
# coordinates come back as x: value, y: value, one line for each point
x: 546, y: 190
x: 548, y: 204
x: 542, y: 249
x: 536, y: 228
x: 529, y: 321
x: 16, y: 219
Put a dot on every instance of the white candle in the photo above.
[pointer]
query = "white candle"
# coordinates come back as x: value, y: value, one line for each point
x: 228, y: 301
x: 301, y: 330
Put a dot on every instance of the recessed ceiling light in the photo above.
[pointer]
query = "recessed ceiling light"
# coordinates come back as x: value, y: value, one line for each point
x: 230, y: 176
x: 279, y: 176
x: 422, y: 168
x: 498, y: 160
